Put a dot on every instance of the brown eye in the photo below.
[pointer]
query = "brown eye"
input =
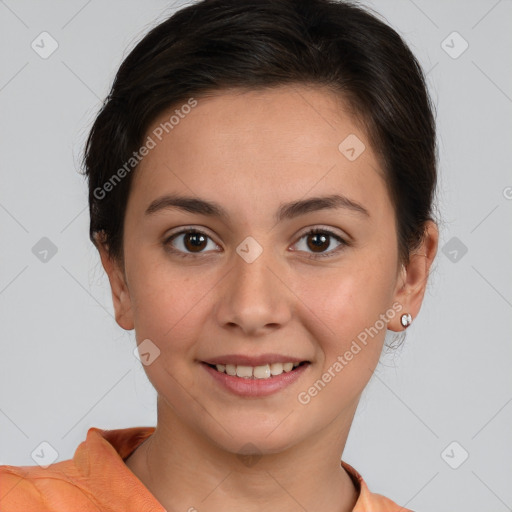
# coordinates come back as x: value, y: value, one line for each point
x: 189, y: 243
x: 194, y: 241
x: 318, y: 241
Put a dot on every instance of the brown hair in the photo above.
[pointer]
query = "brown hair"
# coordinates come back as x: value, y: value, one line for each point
x: 219, y: 44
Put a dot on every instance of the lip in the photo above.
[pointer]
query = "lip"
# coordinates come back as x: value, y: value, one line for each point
x: 245, y: 360
x: 255, y: 388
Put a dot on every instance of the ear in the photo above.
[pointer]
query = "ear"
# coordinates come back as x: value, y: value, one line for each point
x: 120, y: 293
x: 413, y: 278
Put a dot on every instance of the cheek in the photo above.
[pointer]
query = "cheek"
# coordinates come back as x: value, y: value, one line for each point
x: 346, y: 304
x: 350, y: 297
x: 344, y: 318
x: 168, y: 312
x: 167, y: 301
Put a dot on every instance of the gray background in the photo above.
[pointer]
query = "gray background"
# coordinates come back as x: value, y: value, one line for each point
x: 66, y: 365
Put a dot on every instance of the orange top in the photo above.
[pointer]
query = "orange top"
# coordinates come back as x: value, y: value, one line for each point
x: 97, y: 479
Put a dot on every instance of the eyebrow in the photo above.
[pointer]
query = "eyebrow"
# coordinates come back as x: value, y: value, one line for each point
x: 284, y: 212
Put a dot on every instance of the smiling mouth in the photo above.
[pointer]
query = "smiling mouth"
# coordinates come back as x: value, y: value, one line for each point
x: 266, y: 371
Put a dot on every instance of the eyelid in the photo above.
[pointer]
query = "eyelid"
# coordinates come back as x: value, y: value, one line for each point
x: 344, y: 242
x: 320, y: 227
x: 304, y: 231
x: 343, y: 239
x: 185, y: 229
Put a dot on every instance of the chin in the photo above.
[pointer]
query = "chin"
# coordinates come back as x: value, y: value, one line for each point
x: 256, y: 438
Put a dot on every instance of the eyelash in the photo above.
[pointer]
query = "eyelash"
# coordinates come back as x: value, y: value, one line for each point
x: 313, y: 231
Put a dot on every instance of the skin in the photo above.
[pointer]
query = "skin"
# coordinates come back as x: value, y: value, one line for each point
x: 250, y: 151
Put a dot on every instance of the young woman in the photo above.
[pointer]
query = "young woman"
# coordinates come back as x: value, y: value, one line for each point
x: 261, y: 183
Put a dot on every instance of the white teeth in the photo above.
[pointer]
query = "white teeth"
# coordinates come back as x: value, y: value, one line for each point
x: 262, y: 372
x: 243, y: 371
x: 258, y: 372
x: 276, y: 368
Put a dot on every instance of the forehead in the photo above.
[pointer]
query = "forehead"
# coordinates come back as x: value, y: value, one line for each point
x: 251, y: 147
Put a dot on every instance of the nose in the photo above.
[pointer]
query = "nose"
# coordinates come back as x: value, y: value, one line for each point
x: 254, y: 297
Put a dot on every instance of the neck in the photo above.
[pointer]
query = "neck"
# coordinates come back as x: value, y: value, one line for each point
x: 185, y: 471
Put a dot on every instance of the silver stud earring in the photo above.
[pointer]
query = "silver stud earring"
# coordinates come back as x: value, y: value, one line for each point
x: 406, y: 320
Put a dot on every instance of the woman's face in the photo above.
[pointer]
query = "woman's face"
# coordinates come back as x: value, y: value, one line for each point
x: 253, y: 287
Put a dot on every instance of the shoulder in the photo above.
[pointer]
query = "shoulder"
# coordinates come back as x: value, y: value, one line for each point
x: 95, y: 479
x: 369, y: 501
x: 24, y: 488
x: 380, y: 503
x: 17, y: 491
